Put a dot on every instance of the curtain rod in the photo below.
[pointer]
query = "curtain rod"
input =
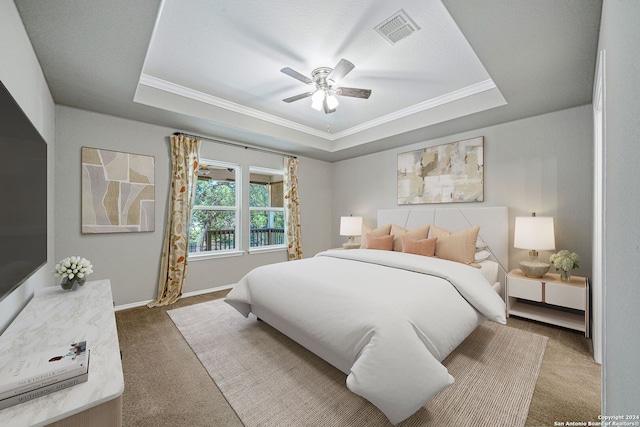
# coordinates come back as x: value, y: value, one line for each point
x: 235, y: 144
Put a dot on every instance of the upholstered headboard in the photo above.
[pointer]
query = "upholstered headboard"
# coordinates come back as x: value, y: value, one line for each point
x: 493, y: 222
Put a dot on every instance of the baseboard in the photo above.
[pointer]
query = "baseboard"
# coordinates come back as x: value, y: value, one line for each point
x: 185, y: 295
x: 207, y: 291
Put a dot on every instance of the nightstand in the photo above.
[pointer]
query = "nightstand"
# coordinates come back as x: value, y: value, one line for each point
x: 550, y: 300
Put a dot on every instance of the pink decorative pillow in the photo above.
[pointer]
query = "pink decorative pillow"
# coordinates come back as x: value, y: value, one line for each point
x: 459, y: 246
x: 426, y: 247
x: 416, y: 234
x: 378, y: 232
x: 384, y: 243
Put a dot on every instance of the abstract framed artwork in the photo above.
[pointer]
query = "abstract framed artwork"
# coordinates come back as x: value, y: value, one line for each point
x: 118, y: 192
x: 447, y: 173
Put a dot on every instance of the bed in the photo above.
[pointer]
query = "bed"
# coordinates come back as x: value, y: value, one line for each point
x: 385, y: 318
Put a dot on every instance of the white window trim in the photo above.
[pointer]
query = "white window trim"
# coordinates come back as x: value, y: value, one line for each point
x: 269, y: 209
x: 266, y: 171
x: 214, y: 208
x: 201, y: 256
x: 270, y: 248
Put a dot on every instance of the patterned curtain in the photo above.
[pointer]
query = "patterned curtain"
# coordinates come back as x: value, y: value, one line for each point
x: 173, y: 268
x: 292, y: 208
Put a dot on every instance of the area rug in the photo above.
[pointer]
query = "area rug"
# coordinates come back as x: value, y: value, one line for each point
x: 271, y: 381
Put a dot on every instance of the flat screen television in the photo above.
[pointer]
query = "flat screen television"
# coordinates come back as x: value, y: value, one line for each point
x: 23, y: 196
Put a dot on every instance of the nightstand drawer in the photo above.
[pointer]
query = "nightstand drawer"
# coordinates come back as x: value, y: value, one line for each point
x: 525, y: 288
x: 566, y: 296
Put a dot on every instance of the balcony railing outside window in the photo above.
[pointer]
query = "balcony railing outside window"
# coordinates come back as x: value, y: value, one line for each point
x: 267, y: 236
x: 220, y: 240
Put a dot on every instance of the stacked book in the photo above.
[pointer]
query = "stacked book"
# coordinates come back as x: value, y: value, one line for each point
x: 27, y: 377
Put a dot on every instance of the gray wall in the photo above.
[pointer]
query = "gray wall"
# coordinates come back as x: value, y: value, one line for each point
x: 620, y: 37
x: 541, y: 164
x: 21, y: 74
x: 131, y: 260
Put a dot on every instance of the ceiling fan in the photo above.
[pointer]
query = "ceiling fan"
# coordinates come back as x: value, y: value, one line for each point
x: 323, y: 95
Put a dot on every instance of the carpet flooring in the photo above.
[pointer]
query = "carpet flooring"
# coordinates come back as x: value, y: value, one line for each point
x: 167, y: 386
x: 271, y: 381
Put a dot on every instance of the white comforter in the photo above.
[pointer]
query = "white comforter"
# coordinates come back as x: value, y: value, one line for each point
x: 385, y: 318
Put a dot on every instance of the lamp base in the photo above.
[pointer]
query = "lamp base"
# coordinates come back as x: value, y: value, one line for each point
x: 351, y: 245
x: 534, y: 268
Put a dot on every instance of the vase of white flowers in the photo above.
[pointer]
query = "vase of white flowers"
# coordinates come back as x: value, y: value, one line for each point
x: 74, y: 271
x: 565, y: 261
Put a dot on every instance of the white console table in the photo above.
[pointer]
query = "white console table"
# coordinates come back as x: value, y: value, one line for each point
x: 54, y: 317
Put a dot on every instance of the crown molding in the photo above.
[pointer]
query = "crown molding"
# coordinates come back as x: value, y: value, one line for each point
x: 186, y: 92
x: 456, y: 95
x: 196, y: 95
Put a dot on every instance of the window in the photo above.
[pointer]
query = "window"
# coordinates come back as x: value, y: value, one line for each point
x: 266, y: 205
x: 215, y: 216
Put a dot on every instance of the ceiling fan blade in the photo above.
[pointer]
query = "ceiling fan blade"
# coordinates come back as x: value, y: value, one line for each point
x: 353, y: 92
x: 325, y: 104
x: 341, y: 70
x: 296, y: 75
x: 298, y: 97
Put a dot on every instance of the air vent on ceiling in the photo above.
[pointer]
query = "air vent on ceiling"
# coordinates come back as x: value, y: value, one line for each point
x: 397, y: 27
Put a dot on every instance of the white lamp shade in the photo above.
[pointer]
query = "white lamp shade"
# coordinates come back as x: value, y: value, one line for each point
x: 350, y: 225
x: 534, y: 233
x: 332, y: 101
x: 316, y: 100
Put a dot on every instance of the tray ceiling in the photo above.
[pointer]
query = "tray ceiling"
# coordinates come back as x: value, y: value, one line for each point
x: 213, y: 67
x: 205, y: 58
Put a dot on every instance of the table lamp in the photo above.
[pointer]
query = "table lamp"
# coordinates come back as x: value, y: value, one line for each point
x: 536, y: 234
x: 350, y: 226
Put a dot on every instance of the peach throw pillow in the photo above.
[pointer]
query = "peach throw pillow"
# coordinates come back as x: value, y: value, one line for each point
x: 384, y: 243
x: 459, y: 246
x: 415, y: 234
x: 426, y: 247
x: 378, y: 232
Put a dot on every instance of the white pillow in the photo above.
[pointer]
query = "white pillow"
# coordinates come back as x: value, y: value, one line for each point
x: 482, y: 255
x: 480, y: 245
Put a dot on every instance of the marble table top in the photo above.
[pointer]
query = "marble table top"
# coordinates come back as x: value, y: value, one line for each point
x: 53, y: 318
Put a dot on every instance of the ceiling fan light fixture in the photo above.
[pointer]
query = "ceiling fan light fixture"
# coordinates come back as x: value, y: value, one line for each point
x: 332, y: 101
x: 323, y: 78
x: 317, y: 99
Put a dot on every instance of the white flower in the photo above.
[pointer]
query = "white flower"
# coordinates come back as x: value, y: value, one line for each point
x: 73, y: 266
x: 565, y: 260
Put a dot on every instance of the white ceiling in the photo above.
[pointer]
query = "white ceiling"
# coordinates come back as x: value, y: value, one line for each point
x: 230, y: 57
x: 213, y: 67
